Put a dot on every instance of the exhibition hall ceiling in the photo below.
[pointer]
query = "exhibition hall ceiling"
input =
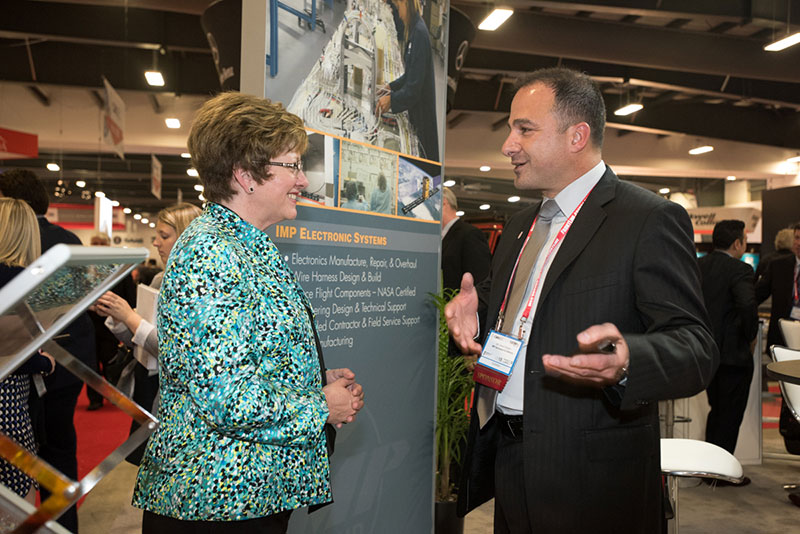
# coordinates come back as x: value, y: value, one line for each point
x: 698, y: 67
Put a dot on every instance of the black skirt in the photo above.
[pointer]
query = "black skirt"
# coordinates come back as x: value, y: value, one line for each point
x: 159, y: 524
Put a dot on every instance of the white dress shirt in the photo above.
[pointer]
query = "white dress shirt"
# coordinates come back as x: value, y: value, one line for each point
x: 510, y: 400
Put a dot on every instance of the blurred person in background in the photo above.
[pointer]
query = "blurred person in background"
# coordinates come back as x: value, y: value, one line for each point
x: 53, y: 413
x: 132, y: 329
x: 729, y: 294
x: 244, y: 393
x: 19, y: 247
x: 106, y: 344
x: 783, y: 247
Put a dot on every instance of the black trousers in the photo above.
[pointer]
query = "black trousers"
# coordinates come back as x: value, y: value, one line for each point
x: 159, y: 524
x: 727, y: 396
x: 59, y: 444
x: 510, y: 501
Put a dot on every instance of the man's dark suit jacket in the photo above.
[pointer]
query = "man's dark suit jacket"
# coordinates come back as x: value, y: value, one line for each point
x: 464, y: 250
x: 777, y: 281
x: 592, y: 461
x: 729, y: 294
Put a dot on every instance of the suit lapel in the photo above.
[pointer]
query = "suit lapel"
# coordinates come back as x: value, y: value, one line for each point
x: 503, y: 275
x: 586, y: 224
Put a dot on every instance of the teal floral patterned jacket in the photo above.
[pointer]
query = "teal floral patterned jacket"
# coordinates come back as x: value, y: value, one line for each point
x: 241, y: 403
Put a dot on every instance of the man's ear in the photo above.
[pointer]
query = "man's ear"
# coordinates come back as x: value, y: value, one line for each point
x: 579, y: 135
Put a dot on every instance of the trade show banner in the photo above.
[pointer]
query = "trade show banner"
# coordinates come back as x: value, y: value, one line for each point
x: 368, y: 78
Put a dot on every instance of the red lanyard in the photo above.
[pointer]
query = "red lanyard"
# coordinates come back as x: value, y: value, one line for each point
x: 559, y: 238
x: 795, y: 296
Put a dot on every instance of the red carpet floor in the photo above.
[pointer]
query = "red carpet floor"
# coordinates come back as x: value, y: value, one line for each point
x: 99, y: 432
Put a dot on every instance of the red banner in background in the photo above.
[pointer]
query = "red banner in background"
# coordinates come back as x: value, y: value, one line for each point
x: 18, y: 145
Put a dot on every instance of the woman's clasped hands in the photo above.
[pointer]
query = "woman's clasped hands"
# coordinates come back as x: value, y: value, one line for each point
x: 345, y: 397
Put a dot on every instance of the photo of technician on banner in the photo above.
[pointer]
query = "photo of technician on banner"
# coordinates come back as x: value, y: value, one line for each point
x: 368, y: 78
x: 372, y: 71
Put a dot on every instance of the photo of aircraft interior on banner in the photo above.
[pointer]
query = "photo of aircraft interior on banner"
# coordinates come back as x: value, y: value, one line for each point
x: 371, y: 70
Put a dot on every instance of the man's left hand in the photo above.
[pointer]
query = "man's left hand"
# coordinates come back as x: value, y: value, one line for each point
x: 591, y: 367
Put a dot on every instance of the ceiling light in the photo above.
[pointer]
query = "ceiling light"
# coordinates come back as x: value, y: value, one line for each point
x: 664, y: 190
x: 784, y: 43
x: 485, y: 207
x: 495, y: 19
x: 795, y: 159
x: 191, y: 171
x: 449, y: 183
x: 198, y: 187
x: 173, y: 123
x: 115, y: 203
x: 731, y: 178
x: 513, y: 199
x: 701, y: 150
x: 186, y: 155
x: 154, y: 78
x: 81, y: 184
x: 460, y: 213
x: 145, y: 220
x: 126, y: 211
x: 627, y: 110
x: 485, y: 168
x: 152, y: 225
x: 137, y: 216
x: 99, y: 194
x: 53, y: 167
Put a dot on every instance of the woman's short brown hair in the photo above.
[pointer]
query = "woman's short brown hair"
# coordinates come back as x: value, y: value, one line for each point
x: 233, y: 130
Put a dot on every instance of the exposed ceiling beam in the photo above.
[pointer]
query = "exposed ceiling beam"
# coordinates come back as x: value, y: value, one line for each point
x: 767, y: 12
x: 40, y: 95
x: 745, y: 124
x: 638, y: 45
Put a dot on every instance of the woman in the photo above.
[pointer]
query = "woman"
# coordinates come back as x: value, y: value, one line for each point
x: 243, y: 400
x: 19, y: 246
x: 382, y: 199
x: 132, y: 329
x: 415, y: 90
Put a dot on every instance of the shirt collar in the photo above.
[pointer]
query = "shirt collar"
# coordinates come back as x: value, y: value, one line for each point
x: 571, y: 196
x: 449, y: 225
x: 241, y: 229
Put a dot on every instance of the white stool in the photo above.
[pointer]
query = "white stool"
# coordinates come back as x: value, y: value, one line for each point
x: 694, y: 458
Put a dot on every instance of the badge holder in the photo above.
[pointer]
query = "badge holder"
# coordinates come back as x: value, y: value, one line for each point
x: 497, y: 359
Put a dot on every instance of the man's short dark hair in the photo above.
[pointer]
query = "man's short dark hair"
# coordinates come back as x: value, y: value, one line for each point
x: 726, y: 232
x: 795, y: 226
x: 25, y: 185
x: 577, y: 99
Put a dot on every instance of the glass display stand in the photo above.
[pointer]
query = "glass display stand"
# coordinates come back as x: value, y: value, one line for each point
x: 34, y: 307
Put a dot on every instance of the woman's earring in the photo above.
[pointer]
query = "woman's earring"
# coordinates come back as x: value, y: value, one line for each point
x: 252, y: 190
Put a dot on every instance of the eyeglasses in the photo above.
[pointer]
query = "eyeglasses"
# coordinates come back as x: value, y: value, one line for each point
x: 296, y: 166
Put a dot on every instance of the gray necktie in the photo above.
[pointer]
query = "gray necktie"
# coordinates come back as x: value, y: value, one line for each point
x: 487, y: 397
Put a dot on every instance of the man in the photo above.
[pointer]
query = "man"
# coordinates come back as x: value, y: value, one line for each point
x: 729, y: 294
x: 53, y: 416
x: 780, y: 280
x: 464, y: 247
x: 571, y: 444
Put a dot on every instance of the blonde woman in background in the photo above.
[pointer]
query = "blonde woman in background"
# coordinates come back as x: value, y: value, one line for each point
x: 133, y: 330
x: 19, y: 247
